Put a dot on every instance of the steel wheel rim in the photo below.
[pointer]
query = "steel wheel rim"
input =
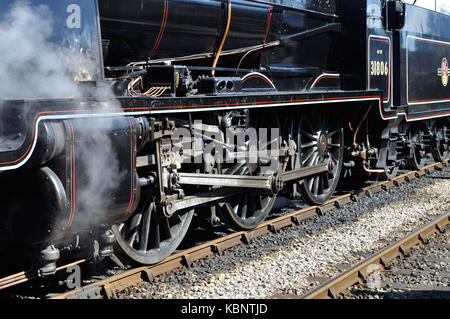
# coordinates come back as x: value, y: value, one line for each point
x: 320, y: 141
x: 248, y: 210
x: 416, y: 155
x: 440, y: 150
x: 147, y: 237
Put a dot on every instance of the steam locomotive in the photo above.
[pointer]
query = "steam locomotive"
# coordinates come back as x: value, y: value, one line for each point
x: 209, y: 108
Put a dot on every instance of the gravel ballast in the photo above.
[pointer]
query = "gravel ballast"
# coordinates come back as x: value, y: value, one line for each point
x: 423, y: 274
x: 296, y: 259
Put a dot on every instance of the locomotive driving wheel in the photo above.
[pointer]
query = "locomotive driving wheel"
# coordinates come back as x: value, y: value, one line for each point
x: 147, y: 236
x: 416, y: 154
x: 440, y: 149
x: 247, y: 210
x: 320, y: 140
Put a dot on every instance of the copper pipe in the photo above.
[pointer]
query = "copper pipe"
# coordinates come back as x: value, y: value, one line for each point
x: 362, y: 120
x: 370, y: 170
x: 227, y: 28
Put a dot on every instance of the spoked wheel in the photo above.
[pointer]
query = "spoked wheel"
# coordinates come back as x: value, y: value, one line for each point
x: 247, y: 210
x: 147, y: 236
x: 291, y: 133
x: 416, y: 156
x: 440, y: 149
x: 321, y: 141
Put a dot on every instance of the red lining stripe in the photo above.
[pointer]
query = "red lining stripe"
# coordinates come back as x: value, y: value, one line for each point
x: 250, y: 103
x: 324, y: 77
x: 199, y: 106
x: 269, y: 19
x: 389, y: 58
x: 73, y: 181
x: 32, y: 133
x: 431, y: 41
x: 130, y: 204
x: 161, y: 30
x: 407, y: 71
x: 168, y: 107
x: 260, y: 77
x: 430, y: 100
x: 72, y: 177
x: 381, y: 40
x: 422, y: 116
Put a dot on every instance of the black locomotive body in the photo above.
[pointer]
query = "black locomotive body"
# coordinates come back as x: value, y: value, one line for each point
x: 209, y: 108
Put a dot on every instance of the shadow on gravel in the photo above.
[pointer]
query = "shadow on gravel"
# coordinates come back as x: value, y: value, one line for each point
x: 417, y: 294
x: 229, y: 259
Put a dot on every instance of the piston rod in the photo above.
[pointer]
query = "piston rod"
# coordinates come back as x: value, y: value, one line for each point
x: 243, y: 181
x: 263, y: 182
x: 232, y: 185
x: 303, y: 172
x: 202, y: 198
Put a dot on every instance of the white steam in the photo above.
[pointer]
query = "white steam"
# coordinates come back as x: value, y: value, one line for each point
x: 101, y: 169
x: 30, y: 65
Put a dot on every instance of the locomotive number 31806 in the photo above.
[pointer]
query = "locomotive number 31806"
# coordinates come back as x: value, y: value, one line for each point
x: 379, y: 68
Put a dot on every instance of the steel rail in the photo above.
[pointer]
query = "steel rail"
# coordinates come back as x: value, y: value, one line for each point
x: 25, y: 276
x: 108, y: 287
x: 359, y: 273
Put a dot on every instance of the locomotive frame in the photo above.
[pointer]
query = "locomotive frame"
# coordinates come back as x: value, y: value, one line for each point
x: 316, y: 103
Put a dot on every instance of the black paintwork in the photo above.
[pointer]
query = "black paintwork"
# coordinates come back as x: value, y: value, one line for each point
x: 189, y: 27
x: 81, y: 37
x: 148, y: 106
x: 330, y: 51
x: 136, y: 30
x: 369, y: 42
x: 359, y: 39
x: 422, y: 44
x: 348, y: 49
x: 95, y: 197
x: 353, y: 41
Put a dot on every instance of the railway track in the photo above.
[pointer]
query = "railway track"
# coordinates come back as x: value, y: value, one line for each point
x: 360, y: 273
x: 109, y: 287
x: 26, y: 276
x: 423, y: 274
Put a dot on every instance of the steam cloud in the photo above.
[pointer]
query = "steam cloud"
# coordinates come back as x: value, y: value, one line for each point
x: 101, y: 170
x: 32, y: 67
